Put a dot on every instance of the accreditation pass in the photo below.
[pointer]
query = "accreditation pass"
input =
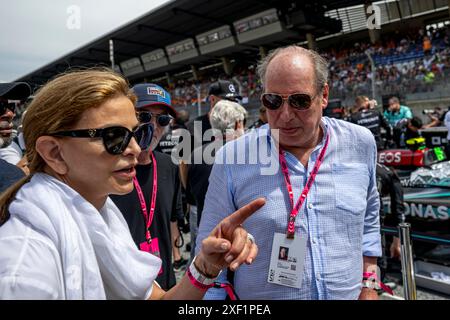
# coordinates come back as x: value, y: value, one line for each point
x: 286, y: 260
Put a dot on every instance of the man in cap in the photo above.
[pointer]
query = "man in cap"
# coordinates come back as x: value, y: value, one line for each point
x: 227, y: 119
x: 154, y: 206
x: 9, y: 173
x: 219, y: 90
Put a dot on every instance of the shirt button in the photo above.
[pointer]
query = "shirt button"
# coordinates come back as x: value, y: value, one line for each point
x: 314, y: 240
x: 310, y: 206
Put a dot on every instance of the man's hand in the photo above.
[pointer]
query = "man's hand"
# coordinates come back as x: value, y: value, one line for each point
x: 395, y: 248
x: 228, y: 244
x: 368, y: 294
x: 373, y: 104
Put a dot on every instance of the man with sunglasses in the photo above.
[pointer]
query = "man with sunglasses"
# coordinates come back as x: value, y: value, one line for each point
x: 322, y: 200
x: 154, y: 207
x: 9, y: 91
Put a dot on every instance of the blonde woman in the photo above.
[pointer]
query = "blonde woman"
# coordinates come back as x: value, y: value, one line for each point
x: 62, y: 237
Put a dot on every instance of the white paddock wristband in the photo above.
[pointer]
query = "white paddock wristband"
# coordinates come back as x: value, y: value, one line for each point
x: 198, y: 279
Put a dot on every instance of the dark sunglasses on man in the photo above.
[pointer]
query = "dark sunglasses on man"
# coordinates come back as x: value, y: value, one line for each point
x: 162, y: 120
x: 115, y: 139
x: 299, y: 101
x: 5, y: 105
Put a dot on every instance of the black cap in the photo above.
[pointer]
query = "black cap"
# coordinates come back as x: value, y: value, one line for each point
x: 15, y: 90
x: 224, y: 89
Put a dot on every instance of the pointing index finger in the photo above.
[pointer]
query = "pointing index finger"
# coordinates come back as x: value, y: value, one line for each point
x: 239, y: 216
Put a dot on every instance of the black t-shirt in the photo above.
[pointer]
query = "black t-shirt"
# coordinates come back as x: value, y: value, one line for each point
x: 411, y: 134
x: 198, y: 182
x: 372, y: 120
x: 9, y: 174
x: 168, y: 209
x: 196, y: 142
x: 196, y: 134
x: 170, y: 140
x: 389, y: 184
x: 442, y: 116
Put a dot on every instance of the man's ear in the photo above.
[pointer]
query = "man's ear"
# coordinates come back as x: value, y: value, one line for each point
x: 49, y: 148
x: 325, y: 92
x: 239, y: 125
x: 213, y: 100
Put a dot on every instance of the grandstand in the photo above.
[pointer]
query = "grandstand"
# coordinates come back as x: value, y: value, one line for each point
x: 184, y: 45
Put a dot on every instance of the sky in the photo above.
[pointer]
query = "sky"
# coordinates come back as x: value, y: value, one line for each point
x: 36, y: 32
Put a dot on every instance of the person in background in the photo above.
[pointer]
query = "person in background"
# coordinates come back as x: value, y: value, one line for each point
x: 16, y: 91
x: 12, y: 153
x: 262, y: 120
x: 20, y: 142
x: 412, y: 129
x: 9, y: 172
x: 370, y: 118
x: 396, y: 112
x: 397, y: 116
x: 436, y: 117
x: 427, y: 45
x: 219, y: 90
x: 227, y: 119
x: 157, y: 188
x: 447, y: 124
x: 389, y: 185
x: 172, y: 137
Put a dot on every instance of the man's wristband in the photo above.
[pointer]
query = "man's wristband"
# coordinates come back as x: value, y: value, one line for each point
x: 370, y: 281
x: 369, y: 284
x: 198, y: 279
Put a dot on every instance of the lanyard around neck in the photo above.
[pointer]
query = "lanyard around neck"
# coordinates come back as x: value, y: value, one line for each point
x: 295, y: 209
x: 148, y: 216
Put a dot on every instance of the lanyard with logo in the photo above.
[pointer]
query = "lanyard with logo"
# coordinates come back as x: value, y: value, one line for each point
x: 148, y: 216
x: 150, y: 245
x: 295, y: 209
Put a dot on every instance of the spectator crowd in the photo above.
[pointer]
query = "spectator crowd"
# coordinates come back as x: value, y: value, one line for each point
x: 404, y: 62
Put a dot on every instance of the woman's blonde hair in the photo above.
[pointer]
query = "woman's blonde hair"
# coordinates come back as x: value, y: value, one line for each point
x: 58, y: 106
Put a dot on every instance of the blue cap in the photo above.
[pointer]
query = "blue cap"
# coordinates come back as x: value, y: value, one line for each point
x: 150, y: 94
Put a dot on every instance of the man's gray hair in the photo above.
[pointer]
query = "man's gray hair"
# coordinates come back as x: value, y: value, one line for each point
x: 225, y: 114
x: 319, y: 62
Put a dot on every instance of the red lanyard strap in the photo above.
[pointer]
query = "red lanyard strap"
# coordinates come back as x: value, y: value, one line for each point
x: 372, y: 276
x: 228, y: 288
x: 148, y: 217
x: 295, y: 209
